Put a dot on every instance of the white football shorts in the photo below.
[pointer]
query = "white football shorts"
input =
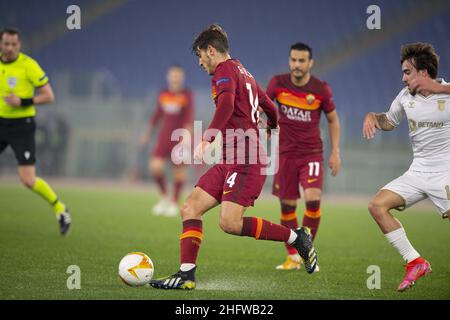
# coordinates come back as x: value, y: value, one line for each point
x: 414, y: 186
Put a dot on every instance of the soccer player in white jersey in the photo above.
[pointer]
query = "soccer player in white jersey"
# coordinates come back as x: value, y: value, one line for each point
x: 425, y: 102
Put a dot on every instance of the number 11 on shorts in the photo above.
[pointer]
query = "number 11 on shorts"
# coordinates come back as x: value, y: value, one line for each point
x: 314, y: 168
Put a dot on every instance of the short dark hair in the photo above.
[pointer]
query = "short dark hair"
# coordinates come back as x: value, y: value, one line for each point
x: 10, y: 31
x: 300, y: 46
x: 176, y: 66
x: 214, y: 36
x: 422, y: 56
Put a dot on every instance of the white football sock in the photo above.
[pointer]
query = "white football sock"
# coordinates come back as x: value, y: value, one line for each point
x: 400, y: 242
x: 292, y: 237
x: 186, y: 266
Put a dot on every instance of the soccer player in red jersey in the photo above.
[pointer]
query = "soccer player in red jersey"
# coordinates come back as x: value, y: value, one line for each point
x: 301, y: 98
x: 174, y: 111
x: 236, y: 183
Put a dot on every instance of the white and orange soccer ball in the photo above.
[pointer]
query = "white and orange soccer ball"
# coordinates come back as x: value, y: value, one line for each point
x: 136, y: 269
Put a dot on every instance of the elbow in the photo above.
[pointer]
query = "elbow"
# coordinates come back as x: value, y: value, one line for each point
x: 51, y: 98
x: 48, y: 97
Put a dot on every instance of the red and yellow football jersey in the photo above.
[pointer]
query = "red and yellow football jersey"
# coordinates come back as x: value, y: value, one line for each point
x: 300, y: 109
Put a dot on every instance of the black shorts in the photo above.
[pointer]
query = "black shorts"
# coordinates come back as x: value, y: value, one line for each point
x: 19, y: 134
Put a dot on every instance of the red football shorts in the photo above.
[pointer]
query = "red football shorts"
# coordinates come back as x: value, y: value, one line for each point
x: 306, y: 171
x: 240, y: 184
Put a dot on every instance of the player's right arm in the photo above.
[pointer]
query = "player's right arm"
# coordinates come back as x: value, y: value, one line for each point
x: 188, y: 118
x: 224, y: 111
x: 145, y: 137
x: 376, y: 121
x: 385, y: 121
x: 225, y: 87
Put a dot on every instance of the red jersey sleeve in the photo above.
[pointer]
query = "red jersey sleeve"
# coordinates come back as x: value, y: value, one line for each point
x: 224, y: 92
x: 268, y: 107
x: 271, y: 88
x: 328, y: 102
x: 188, y: 112
x: 224, y: 110
x: 224, y: 80
x: 158, y: 112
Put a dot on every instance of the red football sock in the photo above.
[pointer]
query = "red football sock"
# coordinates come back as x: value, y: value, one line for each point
x: 161, y: 182
x: 289, y: 220
x: 311, y: 219
x: 262, y: 229
x: 178, y: 185
x: 190, y: 240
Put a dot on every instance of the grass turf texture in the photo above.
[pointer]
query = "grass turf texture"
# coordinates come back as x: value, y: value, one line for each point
x: 107, y: 224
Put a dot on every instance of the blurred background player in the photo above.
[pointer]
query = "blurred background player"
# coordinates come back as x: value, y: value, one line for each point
x: 174, y: 110
x: 428, y: 112
x: 20, y: 77
x: 237, y: 182
x: 301, y: 98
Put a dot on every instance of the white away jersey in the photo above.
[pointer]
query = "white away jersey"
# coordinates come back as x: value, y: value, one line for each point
x: 429, y: 128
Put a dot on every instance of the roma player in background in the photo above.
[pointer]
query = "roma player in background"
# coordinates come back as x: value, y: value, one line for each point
x: 174, y: 110
x: 301, y: 99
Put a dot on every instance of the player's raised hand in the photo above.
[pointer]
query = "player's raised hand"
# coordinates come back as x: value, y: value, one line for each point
x: 334, y: 163
x: 421, y: 84
x: 12, y: 100
x: 200, y: 150
x: 370, y: 126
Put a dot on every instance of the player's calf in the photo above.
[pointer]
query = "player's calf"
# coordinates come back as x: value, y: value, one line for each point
x: 379, y: 208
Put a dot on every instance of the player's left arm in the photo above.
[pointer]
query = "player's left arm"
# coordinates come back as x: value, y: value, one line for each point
x: 36, y: 77
x: 44, y: 95
x: 334, y: 129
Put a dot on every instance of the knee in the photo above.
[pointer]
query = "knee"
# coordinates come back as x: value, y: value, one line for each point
x: 230, y: 226
x: 376, y: 208
x: 188, y: 211
x: 179, y: 176
x: 288, y: 206
x: 156, y: 167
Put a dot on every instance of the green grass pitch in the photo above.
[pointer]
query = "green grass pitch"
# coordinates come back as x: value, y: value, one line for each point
x: 107, y: 224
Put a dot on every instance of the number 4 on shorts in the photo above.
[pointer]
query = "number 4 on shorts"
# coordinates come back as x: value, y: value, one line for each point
x: 231, y: 179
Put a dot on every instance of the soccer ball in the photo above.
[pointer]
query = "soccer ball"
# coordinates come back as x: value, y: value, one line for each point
x: 136, y: 269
